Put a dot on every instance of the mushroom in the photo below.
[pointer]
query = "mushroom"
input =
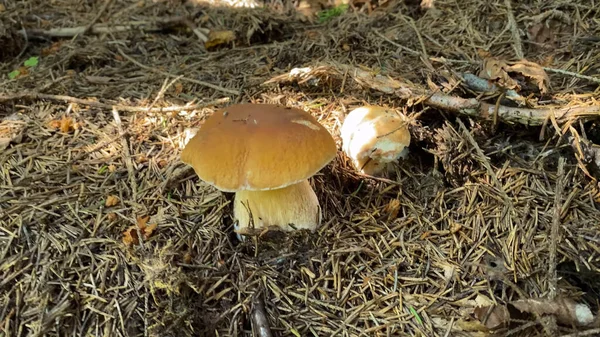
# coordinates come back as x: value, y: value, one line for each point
x: 263, y: 153
x: 374, y: 136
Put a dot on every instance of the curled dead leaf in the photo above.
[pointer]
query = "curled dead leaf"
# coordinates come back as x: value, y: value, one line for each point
x: 532, y: 71
x: 494, y: 69
x: 493, y: 317
x: 130, y: 235
x: 65, y: 124
x: 11, y: 130
x: 567, y: 311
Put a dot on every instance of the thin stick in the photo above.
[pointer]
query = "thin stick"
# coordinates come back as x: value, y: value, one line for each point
x: 69, y: 99
x: 570, y: 73
x: 514, y: 30
x: 206, y: 84
x: 146, y: 26
x: 590, y: 332
x: 552, y: 276
x: 126, y: 153
x: 97, y: 17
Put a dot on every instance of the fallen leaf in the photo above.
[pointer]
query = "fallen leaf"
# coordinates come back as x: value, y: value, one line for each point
x: 22, y: 71
x: 566, y: 311
x: 494, y: 69
x: 219, y: 37
x: 540, y: 33
x: 11, y: 130
x: 112, y: 168
x: 178, y: 88
x: 455, y: 227
x: 111, y: 201
x: 493, y: 317
x: 66, y: 124
x: 111, y: 216
x: 130, y: 235
x: 532, y: 71
x: 187, y: 258
x: 52, y: 49
x: 392, y: 208
x: 2, y: 8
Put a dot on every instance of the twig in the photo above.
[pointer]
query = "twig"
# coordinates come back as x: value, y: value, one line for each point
x: 466, y: 106
x: 514, y: 30
x: 126, y: 153
x: 206, y: 84
x: 552, y: 277
x: 97, y: 17
x: 147, y: 26
x: 260, y: 323
x: 591, y: 332
x: 570, y: 73
x: 69, y: 99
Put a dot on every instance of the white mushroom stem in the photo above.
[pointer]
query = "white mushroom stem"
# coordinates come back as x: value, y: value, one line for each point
x: 287, y: 209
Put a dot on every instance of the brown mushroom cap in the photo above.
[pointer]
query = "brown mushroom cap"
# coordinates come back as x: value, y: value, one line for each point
x: 258, y: 147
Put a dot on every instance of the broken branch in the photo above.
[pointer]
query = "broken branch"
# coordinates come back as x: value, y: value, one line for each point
x: 95, y: 104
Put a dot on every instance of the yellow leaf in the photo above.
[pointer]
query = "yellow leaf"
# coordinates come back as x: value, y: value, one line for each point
x: 111, y: 201
x: 219, y: 37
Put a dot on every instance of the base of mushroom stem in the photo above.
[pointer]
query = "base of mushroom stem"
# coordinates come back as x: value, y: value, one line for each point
x: 242, y: 233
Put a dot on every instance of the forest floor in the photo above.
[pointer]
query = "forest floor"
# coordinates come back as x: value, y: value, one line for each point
x: 490, y: 227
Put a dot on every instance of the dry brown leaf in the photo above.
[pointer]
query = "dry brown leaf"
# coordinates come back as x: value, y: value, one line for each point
x: 11, y: 130
x: 455, y: 227
x: 187, y: 258
x: 532, y: 71
x: 493, y: 317
x: 53, y: 49
x: 22, y: 71
x: 178, y: 88
x: 540, y: 33
x: 65, y: 124
x: 111, y: 216
x: 392, y: 208
x: 130, y: 235
x: 2, y: 8
x: 219, y: 37
x: 112, y: 168
x: 566, y: 311
x: 494, y: 69
x: 111, y: 201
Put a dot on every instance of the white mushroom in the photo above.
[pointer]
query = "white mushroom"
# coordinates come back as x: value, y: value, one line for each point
x: 374, y: 136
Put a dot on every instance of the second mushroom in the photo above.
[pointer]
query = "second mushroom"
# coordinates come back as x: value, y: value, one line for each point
x: 373, y: 137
